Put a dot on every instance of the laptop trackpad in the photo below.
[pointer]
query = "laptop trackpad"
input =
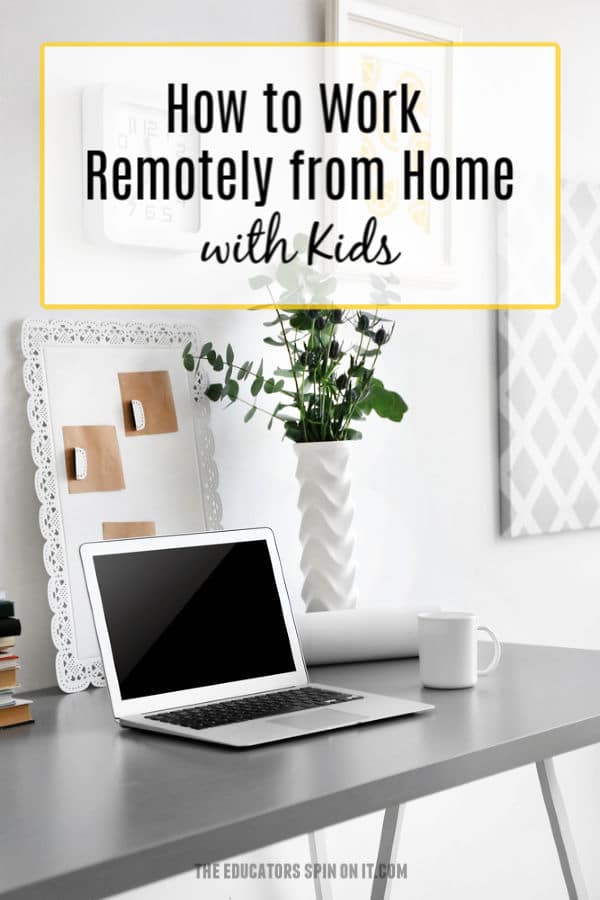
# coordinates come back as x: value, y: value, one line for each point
x: 315, y: 719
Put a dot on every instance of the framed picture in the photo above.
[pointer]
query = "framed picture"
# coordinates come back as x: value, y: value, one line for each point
x: 427, y: 228
x: 549, y: 369
x: 122, y: 447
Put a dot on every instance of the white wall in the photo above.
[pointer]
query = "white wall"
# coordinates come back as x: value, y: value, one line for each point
x: 425, y: 491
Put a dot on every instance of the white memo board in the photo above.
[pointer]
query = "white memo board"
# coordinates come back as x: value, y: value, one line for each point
x: 70, y: 373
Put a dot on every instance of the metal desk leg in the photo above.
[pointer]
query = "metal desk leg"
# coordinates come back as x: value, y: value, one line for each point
x: 561, y: 830
x: 318, y: 856
x: 388, y: 849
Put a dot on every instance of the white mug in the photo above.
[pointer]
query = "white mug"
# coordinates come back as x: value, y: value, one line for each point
x: 448, y: 649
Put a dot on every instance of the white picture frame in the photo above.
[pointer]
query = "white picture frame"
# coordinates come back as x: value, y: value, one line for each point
x: 70, y: 373
x: 361, y: 21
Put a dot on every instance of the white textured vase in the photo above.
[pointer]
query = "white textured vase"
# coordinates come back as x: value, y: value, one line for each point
x: 326, y: 534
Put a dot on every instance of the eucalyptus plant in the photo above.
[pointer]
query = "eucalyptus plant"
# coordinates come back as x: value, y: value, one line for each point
x: 327, y: 384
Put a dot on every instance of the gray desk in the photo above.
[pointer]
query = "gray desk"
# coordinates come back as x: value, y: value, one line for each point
x: 90, y: 809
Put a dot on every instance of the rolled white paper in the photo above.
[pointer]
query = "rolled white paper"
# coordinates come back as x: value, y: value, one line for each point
x: 354, y: 635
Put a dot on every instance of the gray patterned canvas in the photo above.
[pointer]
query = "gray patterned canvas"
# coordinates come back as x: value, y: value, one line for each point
x: 549, y: 379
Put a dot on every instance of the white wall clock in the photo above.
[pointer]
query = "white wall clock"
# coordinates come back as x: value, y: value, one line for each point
x: 131, y: 122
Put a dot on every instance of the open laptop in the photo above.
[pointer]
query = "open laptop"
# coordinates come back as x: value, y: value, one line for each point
x: 198, y: 640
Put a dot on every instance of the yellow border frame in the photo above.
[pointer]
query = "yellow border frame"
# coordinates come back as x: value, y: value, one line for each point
x: 556, y: 46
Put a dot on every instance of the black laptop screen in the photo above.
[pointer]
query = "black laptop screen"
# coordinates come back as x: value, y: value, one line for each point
x: 190, y: 617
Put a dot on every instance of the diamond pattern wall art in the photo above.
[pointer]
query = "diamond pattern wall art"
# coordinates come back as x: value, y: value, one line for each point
x: 549, y: 375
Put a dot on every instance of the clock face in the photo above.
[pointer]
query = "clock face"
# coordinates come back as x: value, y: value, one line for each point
x: 131, y: 123
x: 139, y: 130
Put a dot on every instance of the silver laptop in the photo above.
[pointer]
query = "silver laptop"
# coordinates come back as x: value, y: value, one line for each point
x: 198, y: 640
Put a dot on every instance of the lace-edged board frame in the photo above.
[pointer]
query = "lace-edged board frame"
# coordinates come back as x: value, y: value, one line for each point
x: 68, y: 372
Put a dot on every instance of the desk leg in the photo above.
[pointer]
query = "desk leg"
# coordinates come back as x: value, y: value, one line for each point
x: 318, y: 857
x: 388, y: 849
x: 561, y: 830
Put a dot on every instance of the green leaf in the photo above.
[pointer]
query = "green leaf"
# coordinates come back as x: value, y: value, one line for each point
x: 213, y: 391
x: 387, y: 404
x: 218, y: 363
x: 278, y: 385
x: 279, y: 407
x: 250, y: 413
x: 300, y: 243
x: 287, y: 276
x: 325, y: 287
x: 311, y: 276
x: 269, y: 386
x: 257, y: 385
x: 244, y: 370
x: 295, y: 296
x: 189, y: 363
x: 259, y: 281
x: 229, y: 355
x: 282, y: 317
x: 273, y: 343
x: 187, y: 348
x: 281, y: 417
x: 211, y: 357
x: 301, y: 321
x: 233, y: 389
x: 351, y: 434
x: 206, y: 349
x: 293, y: 431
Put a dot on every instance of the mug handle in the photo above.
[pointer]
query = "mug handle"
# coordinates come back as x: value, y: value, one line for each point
x: 497, y: 651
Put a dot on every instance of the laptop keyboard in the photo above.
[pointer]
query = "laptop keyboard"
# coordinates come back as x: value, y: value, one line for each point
x: 228, y: 712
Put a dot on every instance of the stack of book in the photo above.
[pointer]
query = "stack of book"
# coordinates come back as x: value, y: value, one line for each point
x: 13, y: 710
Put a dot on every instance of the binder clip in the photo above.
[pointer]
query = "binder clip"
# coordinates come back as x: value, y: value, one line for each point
x: 81, y: 466
x: 139, y: 417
